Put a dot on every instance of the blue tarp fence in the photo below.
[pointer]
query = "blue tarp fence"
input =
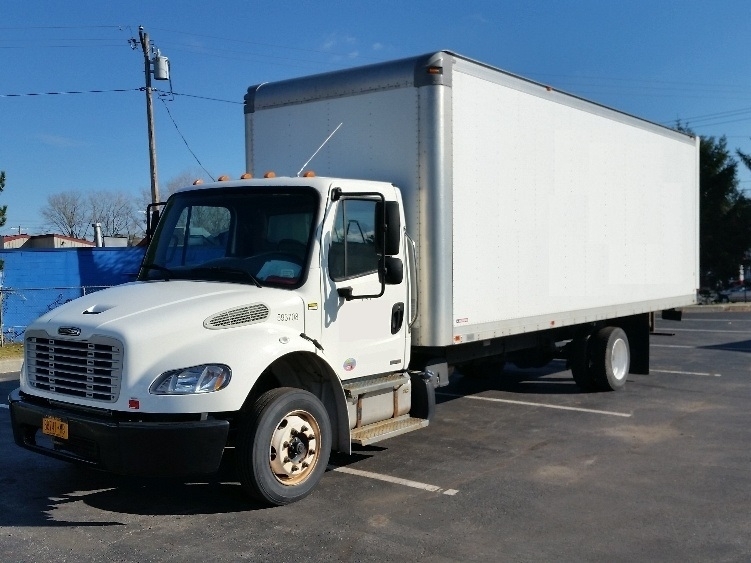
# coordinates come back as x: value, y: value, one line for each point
x: 34, y: 282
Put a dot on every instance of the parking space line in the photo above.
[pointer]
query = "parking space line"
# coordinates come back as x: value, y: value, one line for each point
x: 704, y: 330
x: 4, y: 406
x: 684, y: 372
x: 530, y: 404
x: 394, y: 480
x: 670, y: 346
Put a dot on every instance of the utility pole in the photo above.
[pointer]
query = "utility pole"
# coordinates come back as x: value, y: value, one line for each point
x: 149, y: 114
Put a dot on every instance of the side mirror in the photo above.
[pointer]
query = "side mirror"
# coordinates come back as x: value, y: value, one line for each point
x: 152, y: 218
x: 387, y: 228
x: 392, y: 270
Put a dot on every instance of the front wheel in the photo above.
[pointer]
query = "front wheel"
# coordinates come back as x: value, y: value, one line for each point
x: 283, y: 446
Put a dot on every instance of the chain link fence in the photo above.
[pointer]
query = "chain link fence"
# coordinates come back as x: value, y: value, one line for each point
x: 19, y: 307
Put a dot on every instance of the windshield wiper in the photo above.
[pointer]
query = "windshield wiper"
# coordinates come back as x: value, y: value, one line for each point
x: 215, y: 269
x: 167, y: 272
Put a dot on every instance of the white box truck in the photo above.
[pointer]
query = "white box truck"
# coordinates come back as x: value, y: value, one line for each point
x: 459, y: 216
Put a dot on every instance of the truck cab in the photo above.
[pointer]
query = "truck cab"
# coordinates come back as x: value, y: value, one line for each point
x: 272, y: 315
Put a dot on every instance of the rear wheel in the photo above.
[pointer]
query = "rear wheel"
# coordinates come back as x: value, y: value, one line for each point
x: 581, y: 363
x: 283, y: 446
x: 611, y: 358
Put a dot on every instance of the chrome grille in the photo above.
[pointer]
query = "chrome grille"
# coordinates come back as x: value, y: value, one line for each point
x: 75, y: 368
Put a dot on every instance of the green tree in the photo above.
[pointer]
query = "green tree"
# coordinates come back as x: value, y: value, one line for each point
x: 3, y: 208
x: 725, y: 213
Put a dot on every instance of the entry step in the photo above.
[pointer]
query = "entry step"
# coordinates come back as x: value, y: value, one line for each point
x: 393, y: 380
x: 386, y: 429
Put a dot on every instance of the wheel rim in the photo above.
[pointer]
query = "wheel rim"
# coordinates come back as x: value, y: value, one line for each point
x: 619, y: 359
x: 294, y: 452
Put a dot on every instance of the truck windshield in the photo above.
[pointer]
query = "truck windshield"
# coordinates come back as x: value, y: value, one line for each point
x: 244, y: 235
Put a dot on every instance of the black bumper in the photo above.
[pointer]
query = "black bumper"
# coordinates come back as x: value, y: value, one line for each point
x: 119, y: 446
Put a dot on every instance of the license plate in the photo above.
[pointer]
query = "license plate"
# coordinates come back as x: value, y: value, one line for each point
x: 55, y: 427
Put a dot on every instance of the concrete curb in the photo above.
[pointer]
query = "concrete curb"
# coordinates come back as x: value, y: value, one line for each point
x: 719, y: 308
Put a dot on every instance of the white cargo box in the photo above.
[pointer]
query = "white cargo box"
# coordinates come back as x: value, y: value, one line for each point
x: 531, y: 208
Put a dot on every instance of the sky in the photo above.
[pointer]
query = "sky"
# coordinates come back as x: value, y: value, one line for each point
x: 662, y: 60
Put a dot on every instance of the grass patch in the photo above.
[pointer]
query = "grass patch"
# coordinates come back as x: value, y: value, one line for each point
x: 11, y: 351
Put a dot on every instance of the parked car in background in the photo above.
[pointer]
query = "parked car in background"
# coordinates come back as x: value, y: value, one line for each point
x: 706, y: 296
x: 738, y: 294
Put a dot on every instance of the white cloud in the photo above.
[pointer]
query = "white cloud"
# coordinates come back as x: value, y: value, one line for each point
x: 59, y: 141
x: 476, y: 18
x: 334, y: 41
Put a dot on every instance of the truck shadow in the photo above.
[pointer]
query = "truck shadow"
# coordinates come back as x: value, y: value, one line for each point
x: 741, y: 346
x: 46, y: 497
x: 553, y: 379
x: 59, y: 494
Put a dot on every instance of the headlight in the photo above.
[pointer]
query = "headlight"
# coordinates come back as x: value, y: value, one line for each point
x: 197, y: 379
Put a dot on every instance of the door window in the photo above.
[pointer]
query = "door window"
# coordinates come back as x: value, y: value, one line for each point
x: 353, y: 249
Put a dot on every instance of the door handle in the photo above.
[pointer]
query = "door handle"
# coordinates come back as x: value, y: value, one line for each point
x: 397, y: 317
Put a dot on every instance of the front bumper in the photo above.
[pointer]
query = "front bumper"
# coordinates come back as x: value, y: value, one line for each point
x: 121, y: 446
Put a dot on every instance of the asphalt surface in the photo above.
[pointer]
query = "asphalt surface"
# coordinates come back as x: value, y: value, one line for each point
x: 518, y: 468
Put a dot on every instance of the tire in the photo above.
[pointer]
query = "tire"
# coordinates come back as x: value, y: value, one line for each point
x: 581, y: 363
x: 283, y: 446
x: 611, y: 358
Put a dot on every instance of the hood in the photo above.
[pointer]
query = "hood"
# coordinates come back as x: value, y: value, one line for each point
x: 140, y: 305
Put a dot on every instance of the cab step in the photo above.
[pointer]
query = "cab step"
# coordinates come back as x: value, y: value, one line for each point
x: 384, y: 429
x: 371, y: 385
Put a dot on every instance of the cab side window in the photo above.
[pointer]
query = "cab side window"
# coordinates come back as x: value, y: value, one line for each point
x: 353, y: 250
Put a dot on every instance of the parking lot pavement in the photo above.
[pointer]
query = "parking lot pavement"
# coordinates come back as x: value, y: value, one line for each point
x: 522, y: 467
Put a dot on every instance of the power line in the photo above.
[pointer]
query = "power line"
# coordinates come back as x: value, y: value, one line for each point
x: 119, y: 90
x: 163, y: 92
x: 71, y: 92
x: 183, y: 138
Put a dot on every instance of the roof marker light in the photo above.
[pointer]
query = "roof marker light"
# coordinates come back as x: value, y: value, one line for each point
x: 309, y: 174
x: 246, y: 176
x: 223, y: 178
x: 270, y: 174
x: 197, y: 182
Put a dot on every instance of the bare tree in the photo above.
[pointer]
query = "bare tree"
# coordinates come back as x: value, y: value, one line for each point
x: 115, y: 211
x: 68, y: 213
x: 3, y: 208
x: 185, y: 178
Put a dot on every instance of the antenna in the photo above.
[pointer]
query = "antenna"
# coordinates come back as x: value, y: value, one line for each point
x: 319, y: 149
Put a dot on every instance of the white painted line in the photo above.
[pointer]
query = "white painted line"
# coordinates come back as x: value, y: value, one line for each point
x: 703, y: 330
x: 685, y: 372
x: 5, y: 406
x: 528, y: 404
x: 395, y: 480
x: 725, y: 348
x: 699, y: 320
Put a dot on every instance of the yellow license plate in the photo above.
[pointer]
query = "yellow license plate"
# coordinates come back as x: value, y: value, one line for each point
x: 55, y: 427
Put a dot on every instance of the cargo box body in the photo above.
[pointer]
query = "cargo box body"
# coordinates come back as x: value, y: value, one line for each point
x: 531, y: 209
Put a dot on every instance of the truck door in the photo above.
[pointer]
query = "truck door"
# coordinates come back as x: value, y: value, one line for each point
x: 366, y: 333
